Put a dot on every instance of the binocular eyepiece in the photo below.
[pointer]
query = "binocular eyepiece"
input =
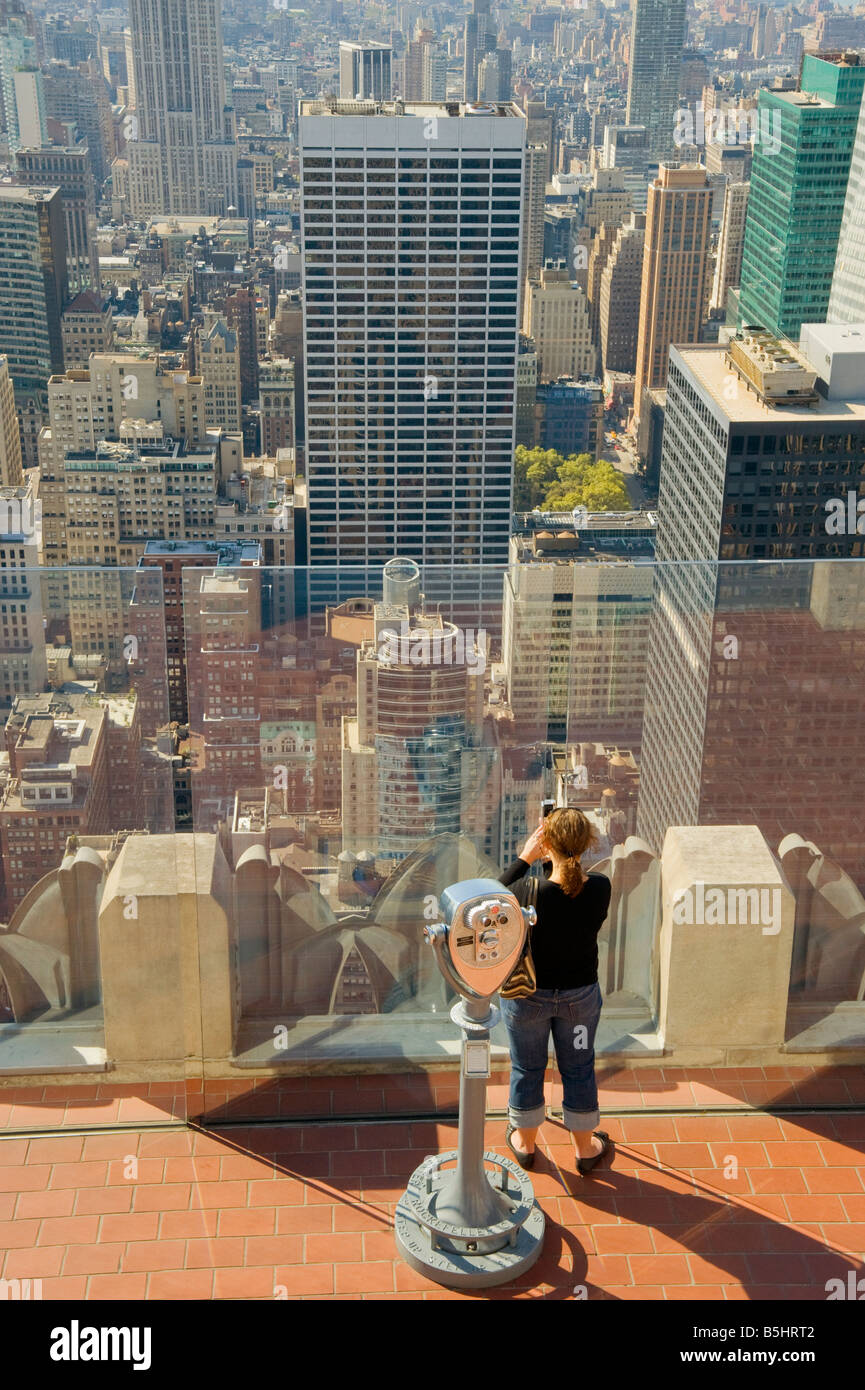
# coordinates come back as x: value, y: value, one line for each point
x: 479, y: 937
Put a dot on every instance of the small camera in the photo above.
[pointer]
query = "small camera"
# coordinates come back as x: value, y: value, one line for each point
x: 547, y: 805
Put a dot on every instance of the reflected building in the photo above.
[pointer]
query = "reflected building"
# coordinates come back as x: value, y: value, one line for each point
x: 413, y: 760
x: 575, y: 625
x: 307, y: 685
x: 223, y: 620
x: 74, y: 766
x: 23, y: 666
x: 173, y: 560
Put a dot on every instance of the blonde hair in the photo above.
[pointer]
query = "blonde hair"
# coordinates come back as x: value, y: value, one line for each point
x: 570, y: 834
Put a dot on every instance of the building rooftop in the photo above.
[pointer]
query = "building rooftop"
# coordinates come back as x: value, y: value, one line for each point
x: 710, y: 365
x: 19, y: 193
x: 87, y: 302
x: 360, y: 45
x: 423, y: 109
x: 226, y: 552
x: 837, y: 353
x: 191, y: 226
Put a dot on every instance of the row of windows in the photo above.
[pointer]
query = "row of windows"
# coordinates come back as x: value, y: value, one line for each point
x: 385, y: 162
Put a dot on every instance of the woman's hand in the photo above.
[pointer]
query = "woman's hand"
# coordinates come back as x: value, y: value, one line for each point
x: 535, y: 847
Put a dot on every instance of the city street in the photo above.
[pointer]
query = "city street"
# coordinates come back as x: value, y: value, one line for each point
x: 622, y: 453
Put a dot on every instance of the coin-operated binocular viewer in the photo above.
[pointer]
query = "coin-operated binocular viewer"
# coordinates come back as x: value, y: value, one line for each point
x: 468, y: 1218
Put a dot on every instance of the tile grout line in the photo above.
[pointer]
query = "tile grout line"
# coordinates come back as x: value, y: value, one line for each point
x: 425, y: 1117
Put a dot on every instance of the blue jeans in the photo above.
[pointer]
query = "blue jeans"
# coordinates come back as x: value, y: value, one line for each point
x: 573, y: 1016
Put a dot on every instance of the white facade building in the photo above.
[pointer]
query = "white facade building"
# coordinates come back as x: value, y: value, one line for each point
x: 728, y: 265
x: 847, y: 300
x: 411, y: 246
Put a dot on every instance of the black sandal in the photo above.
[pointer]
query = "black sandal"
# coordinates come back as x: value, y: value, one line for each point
x: 523, y: 1159
x: 586, y: 1165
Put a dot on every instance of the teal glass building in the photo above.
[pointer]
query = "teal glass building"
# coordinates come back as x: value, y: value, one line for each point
x: 801, y: 167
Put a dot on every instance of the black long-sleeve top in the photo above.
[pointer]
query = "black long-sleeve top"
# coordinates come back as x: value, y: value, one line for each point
x: 565, y: 936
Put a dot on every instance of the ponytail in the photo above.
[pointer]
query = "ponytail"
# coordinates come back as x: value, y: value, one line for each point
x: 570, y: 833
x: 573, y: 877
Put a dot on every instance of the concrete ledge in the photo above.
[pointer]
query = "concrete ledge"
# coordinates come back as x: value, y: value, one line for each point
x: 726, y: 940
x: 51, y: 1050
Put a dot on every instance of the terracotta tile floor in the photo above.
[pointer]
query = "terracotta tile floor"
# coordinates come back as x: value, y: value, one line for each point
x: 414, y: 1093
x: 744, y: 1205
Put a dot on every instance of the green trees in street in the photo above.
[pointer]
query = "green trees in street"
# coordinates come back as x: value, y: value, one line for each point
x: 543, y: 478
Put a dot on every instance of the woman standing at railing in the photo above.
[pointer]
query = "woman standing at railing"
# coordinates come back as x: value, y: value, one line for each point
x: 571, y: 908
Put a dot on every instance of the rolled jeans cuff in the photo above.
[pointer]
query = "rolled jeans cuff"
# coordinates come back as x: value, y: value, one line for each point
x: 581, y: 1119
x: 527, y: 1119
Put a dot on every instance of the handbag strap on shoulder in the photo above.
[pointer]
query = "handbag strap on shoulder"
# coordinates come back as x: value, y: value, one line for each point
x: 528, y: 896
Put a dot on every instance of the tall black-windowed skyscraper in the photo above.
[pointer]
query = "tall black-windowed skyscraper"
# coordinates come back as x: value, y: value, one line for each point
x: 750, y: 660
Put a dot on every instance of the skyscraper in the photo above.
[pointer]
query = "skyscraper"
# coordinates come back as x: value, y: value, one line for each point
x: 87, y: 324
x: 11, y: 471
x: 605, y: 200
x: 217, y: 361
x: 244, y: 314
x: 602, y: 247
x: 480, y: 39
x: 365, y: 70
x: 435, y: 73
x: 21, y: 89
x: 411, y: 242
x: 675, y: 263
x: 79, y: 96
x: 70, y: 171
x: 728, y: 262
x: 17, y: 37
x: 181, y: 145
x: 414, y: 66
x: 556, y: 316
x: 741, y: 656
x: 847, y: 299
x: 23, y: 666
x: 535, y: 183
x: 799, y: 181
x: 657, y: 41
x: 33, y: 283
x: 620, y: 296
